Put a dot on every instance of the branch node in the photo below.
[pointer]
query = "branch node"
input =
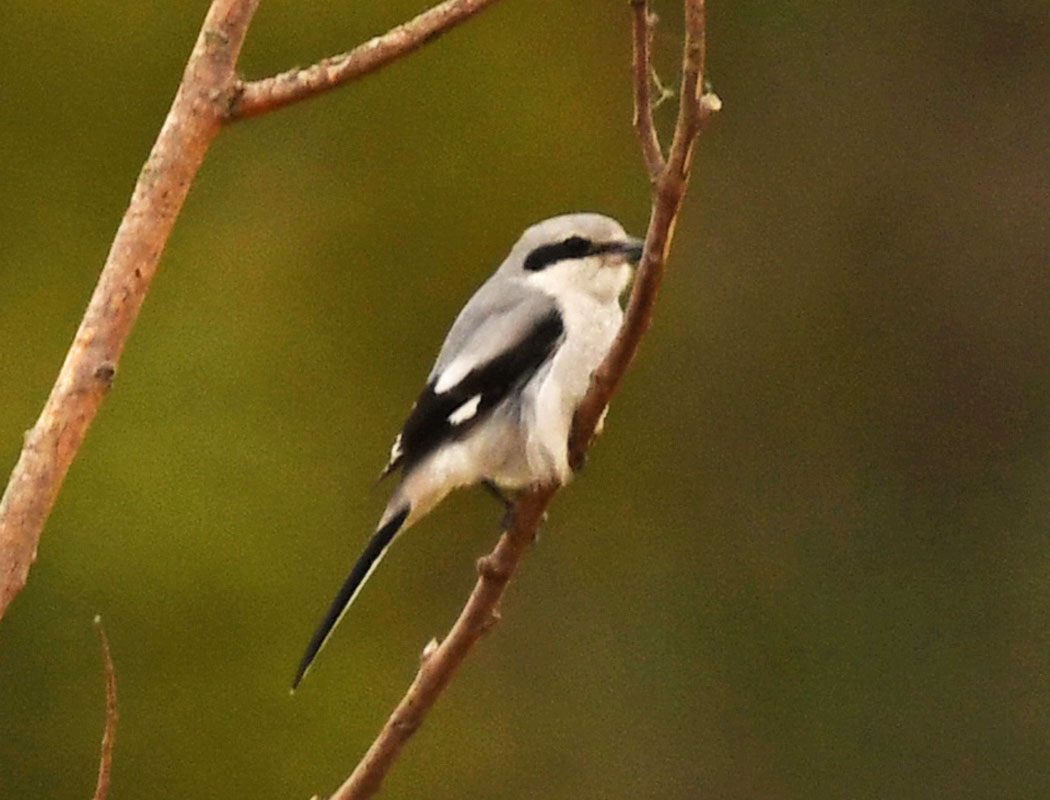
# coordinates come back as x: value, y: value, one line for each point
x: 494, y: 618
x: 428, y: 650
x: 710, y: 104
x: 104, y: 373
x: 406, y: 726
x: 491, y: 569
x: 215, y: 37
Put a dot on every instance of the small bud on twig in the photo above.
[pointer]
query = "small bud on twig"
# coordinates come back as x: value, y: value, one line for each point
x: 428, y: 650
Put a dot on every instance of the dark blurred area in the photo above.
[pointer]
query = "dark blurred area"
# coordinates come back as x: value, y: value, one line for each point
x: 809, y: 557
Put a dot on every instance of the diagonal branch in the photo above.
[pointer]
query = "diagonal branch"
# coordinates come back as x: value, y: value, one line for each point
x: 440, y: 661
x: 194, y: 119
x: 268, y: 94
x: 643, y: 102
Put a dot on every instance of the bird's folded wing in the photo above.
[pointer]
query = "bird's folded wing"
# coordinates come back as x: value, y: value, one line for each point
x: 493, y: 348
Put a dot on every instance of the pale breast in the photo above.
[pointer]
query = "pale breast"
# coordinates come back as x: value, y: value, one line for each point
x: 590, y: 327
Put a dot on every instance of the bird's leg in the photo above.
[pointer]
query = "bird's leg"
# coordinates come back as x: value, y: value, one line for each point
x: 507, y: 503
x: 496, y: 492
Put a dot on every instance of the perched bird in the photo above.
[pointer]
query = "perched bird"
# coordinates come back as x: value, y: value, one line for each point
x: 498, y: 404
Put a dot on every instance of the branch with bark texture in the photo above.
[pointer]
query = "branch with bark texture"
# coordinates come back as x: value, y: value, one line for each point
x: 439, y: 662
x: 209, y: 96
x: 258, y: 97
x: 643, y: 25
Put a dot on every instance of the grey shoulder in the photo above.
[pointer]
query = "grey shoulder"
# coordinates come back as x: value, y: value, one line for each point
x: 499, y: 306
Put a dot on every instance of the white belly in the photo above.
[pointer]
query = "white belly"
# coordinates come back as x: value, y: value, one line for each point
x: 552, y: 397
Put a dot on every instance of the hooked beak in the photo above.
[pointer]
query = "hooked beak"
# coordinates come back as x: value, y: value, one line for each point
x: 632, y: 249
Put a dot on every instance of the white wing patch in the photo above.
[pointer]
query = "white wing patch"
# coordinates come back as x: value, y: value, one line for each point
x: 453, y: 374
x: 395, y: 451
x: 465, y: 411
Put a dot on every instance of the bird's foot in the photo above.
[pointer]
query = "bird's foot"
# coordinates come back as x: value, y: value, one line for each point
x: 496, y: 492
x: 507, y: 521
x: 579, y: 464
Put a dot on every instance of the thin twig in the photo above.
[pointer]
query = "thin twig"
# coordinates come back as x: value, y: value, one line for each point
x: 668, y: 193
x: 665, y: 92
x: 109, y: 735
x: 438, y: 665
x: 644, y: 126
x: 694, y: 107
x: 268, y: 94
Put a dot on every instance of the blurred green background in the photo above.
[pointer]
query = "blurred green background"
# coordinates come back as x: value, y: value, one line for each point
x: 809, y: 558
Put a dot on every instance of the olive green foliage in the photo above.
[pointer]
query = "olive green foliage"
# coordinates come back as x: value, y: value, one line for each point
x: 808, y: 559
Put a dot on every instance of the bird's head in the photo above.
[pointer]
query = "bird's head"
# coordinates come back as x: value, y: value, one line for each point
x: 576, y: 253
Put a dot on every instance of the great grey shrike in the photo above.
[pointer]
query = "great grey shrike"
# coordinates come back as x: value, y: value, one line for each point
x: 499, y: 402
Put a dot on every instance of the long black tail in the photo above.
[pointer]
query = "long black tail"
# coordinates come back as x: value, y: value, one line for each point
x: 366, y: 562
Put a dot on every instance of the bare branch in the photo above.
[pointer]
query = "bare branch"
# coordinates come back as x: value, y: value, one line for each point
x: 438, y: 664
x: 668, y: 193
x: 91, y: 364
x: 209, y: 96
x: 694, y: 107
x: 495, y: 570
x: 109, y: 735
x: 643, y: 103
x: 258, y: 97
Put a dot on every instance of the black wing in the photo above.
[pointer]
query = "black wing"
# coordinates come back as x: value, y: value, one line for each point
x: 437, y: 418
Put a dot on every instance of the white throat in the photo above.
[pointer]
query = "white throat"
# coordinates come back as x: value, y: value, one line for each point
x: 586, y: 279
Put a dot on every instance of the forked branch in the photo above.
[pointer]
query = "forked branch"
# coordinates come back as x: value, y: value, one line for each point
x: 209, y: 96
x: 440, y: 661
x: 669, y: 187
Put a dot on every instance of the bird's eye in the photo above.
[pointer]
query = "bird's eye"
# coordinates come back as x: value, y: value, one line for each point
x: 576, y: 246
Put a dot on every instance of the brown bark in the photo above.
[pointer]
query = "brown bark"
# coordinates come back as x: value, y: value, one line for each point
x: 439, y: 662
x: 91, y: 364
x: 258, y: 97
